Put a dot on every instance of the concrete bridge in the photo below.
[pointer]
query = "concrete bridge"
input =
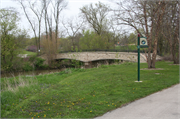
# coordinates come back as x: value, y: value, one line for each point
x: 87, y: 57
x: 94, y: 56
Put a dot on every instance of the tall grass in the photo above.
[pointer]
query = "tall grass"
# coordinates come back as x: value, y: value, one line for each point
x: 13, y: 84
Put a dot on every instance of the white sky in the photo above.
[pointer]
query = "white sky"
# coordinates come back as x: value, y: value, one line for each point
x: 71, y: 11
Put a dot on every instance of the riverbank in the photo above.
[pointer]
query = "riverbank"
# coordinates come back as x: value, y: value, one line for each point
x: 83, y: 93
x: 29, y: 73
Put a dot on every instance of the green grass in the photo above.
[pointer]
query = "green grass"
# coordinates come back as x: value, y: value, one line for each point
x: 28, y: 52
x: 82, y: 93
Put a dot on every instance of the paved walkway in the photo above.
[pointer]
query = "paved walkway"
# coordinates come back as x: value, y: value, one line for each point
x: 161, y: 105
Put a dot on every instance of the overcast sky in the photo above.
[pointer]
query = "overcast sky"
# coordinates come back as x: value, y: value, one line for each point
x: 71, y: 11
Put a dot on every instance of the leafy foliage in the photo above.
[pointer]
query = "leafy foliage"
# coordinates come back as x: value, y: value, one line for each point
x: 92, y: 41
x: 8, y: 27
x: 96, y: 16
x: 27, y: 67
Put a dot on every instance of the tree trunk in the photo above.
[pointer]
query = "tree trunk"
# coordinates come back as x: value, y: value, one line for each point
x: 160, y: 14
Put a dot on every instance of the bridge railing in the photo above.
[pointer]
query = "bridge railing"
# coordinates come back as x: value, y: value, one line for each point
x: 98, y: 50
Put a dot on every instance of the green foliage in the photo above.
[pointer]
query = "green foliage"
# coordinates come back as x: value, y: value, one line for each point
x: 95, y: 15
x: 92, y: 41
x: 27, y: 67
x: 9, y: 35
x: 76, y: 63
x: 128, y: 48
x: 65, y: 44
x: 39, y: 63
x: 8, y: 52
x: 104, y: 66
x: 132, y: 39
x: 30, y: 41
x: 54, y: 64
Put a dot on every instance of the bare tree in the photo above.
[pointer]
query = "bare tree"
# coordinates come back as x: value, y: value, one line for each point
x: 170, y: 29
x: 147, y: 15
x: 72, y: 26
x: 46, y: 18
x: 96, y: 16
x: 38, y: 12
x: 58, y: 7
x: 50, y: 10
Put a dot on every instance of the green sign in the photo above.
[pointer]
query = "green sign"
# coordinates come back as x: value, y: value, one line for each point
x: 143, y: 42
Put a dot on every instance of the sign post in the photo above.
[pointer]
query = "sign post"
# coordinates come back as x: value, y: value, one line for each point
x: 138, y: 57
x: 142, y: 43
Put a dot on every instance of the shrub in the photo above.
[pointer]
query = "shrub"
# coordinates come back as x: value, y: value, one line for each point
x: 39, y: 63
x: 27, y: 67
x: 167, y: 58
x: 32, y: 48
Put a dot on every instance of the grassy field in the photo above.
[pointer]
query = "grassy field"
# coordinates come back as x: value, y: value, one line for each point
x: 28, y: 52
x: 82, y: 93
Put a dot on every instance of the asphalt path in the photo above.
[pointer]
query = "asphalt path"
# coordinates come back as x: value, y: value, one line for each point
x: 164, y: 104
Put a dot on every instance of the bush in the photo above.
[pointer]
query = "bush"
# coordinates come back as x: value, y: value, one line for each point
x: 32, y: 48
x: 39, y: 63
x: 14, y: 65
x: 27, y: 67
x: 167, y: 58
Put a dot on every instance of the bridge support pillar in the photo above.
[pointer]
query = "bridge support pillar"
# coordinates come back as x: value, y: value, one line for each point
x: 87, y: 64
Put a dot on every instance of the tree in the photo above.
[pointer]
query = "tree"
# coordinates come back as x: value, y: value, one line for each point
x: 8, y: 34
x: 147, y: 15
x: 21, y: 39
x: 72, y: 27
x: 96, y: 16
x: 38, y: 12
x: 132, y: 38
x: 49, y: 47
x: 48, y: 9
x: 58, y: 7
x: 93, y: 41
x: 53, y: 8
x: 170, y: 29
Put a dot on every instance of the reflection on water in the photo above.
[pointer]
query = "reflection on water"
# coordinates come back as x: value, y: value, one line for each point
x: 31, y: 73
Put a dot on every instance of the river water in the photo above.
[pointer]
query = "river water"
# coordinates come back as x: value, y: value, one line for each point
x: 40, y: 72
x: 31, y: 73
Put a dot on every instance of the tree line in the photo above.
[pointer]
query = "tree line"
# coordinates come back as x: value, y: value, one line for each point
x: 98, y: 26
